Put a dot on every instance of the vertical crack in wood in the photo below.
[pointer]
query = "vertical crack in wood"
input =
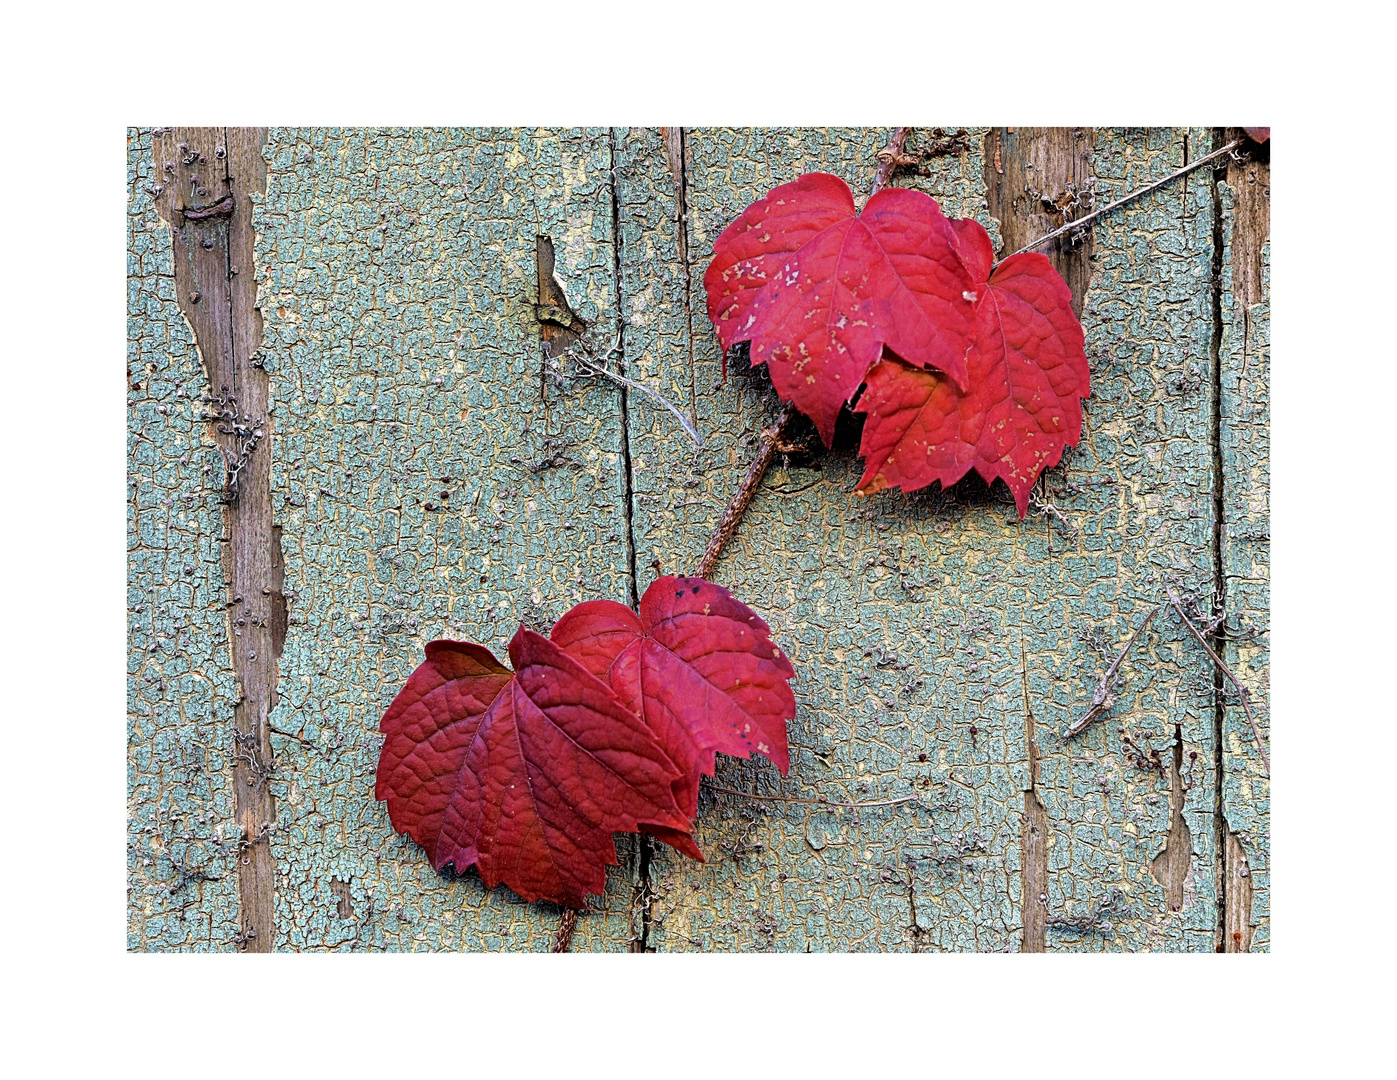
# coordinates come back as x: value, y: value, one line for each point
x: 1219, y: 568
x: 643, y: 899
x: 213, y: 244
x: 640, y: 900
x: 628, y: 507
x: 676, y: 149
x: 1036, y: 180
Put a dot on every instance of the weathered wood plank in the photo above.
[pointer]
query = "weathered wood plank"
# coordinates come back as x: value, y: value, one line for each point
x: 1037, y: 179
x: 182, y: 850
x: 428, y: 483
x: 212, y: 174
x: 826, y: 572
x: 1140, y: 489
x: 915, y: 623
x: 1244, y: 447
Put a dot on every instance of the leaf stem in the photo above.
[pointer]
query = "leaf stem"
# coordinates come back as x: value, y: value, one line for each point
x: 1082, y: 221
x: 1241, y: 690
x: 566, y: 925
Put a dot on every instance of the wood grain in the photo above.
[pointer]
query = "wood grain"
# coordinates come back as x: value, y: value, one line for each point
x: 1036, y: 180
x: 217, y: 290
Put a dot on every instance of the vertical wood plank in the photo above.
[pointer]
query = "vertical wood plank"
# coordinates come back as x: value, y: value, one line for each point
x: 425, y: 485
x: 208, y: 203
x: 1244, y: 450
x: 1037, y: 179
x: 182, y: 818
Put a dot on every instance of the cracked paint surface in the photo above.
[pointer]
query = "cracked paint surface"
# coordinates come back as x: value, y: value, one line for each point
x: 396, y: 279
x: 182, y: 839
x: 1246, y: 548
x: 913, y: 619
x: 1144, y: 474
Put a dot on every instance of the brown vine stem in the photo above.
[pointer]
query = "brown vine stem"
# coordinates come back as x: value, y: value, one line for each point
x: 889, y: 158
x: 1241, y: 690
x: 566, y: 925
x: 1102, y: 699
x: 771, y: 438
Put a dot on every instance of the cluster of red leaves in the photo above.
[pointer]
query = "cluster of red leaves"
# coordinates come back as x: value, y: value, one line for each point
x: 965, y: 364
x: 602, y: 727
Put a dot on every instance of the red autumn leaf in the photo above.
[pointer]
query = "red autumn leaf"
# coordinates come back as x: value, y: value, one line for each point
x: 1028, y: 374
x: 1258, y: 134
x: 525, y: 775
x: 819, y: 292
x: 699, y: 667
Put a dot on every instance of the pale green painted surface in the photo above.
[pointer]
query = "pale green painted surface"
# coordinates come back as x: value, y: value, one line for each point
x: 909, y: 619
x: 396, y: 277
x: 1246, y: 464
x: 959, y: 593
x: 1145, y: 473
x: 180, y: 687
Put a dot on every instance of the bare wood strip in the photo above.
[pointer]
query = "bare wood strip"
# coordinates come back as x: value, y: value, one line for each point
x: 207, y: 178
x: 1039, y: 180
x: 1170, y: 867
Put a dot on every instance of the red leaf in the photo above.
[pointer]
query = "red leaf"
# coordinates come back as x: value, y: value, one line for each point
x: 1258, y: 134
x: 699, y: 667
x: 526, y: 776
x: 1028, y: 374
x: 820, y: 292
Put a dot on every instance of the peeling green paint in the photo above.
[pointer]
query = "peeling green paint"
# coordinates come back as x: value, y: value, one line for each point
x: 180, y: 685
x: 1246, y: 549
x: 396, y: 279
x: 957, y: 590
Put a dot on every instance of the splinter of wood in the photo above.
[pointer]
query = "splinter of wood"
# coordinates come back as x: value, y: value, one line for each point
x: 1241, y: 690
x: 1102, y: 699
x: 222, y: 208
